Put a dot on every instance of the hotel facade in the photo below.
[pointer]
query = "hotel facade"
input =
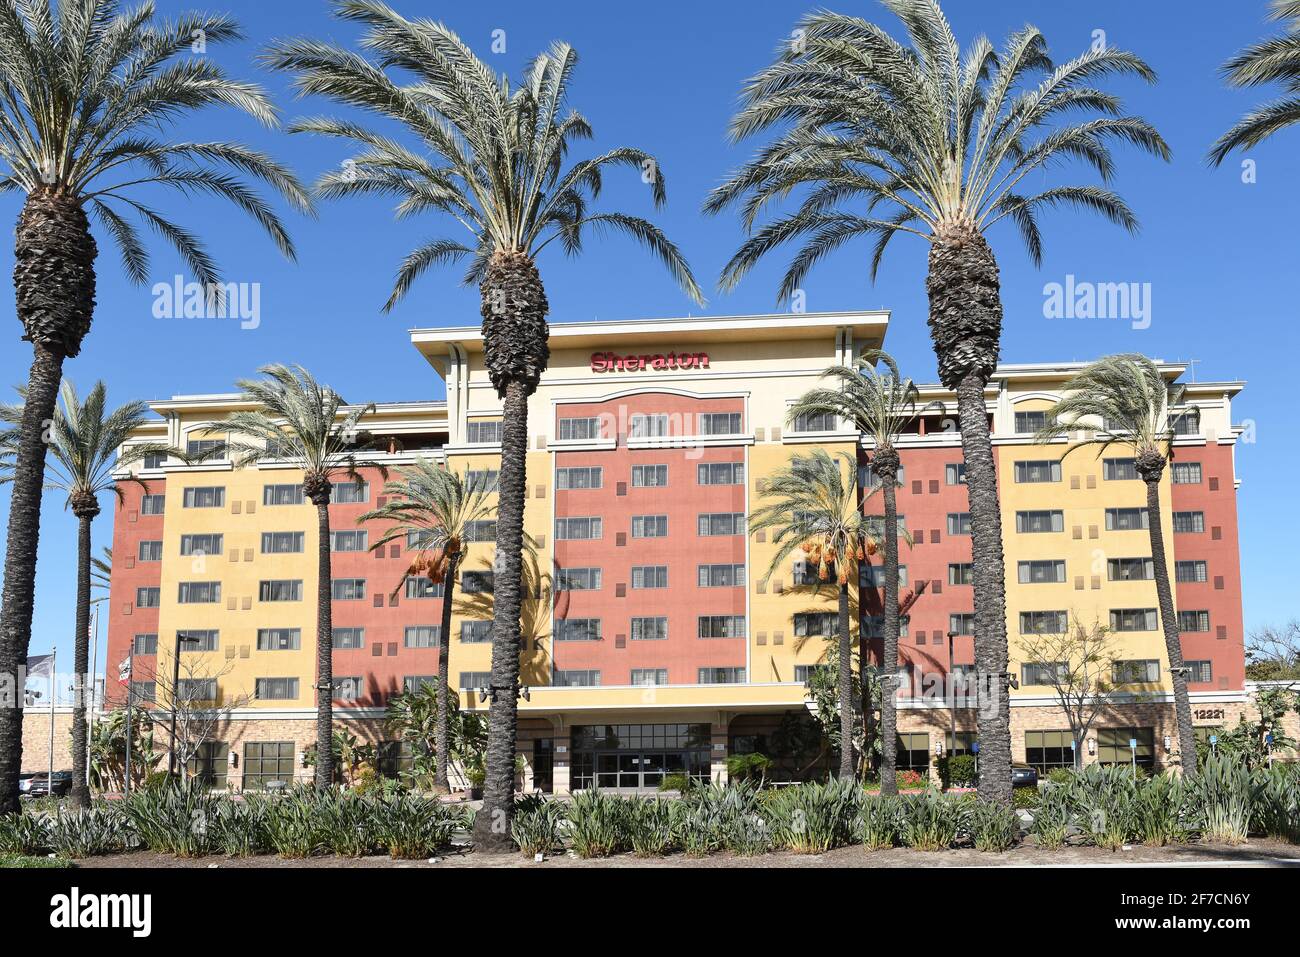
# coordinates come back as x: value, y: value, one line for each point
x: 653, y: 640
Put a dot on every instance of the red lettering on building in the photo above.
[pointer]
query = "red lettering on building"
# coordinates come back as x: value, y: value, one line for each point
x: 657, y: 361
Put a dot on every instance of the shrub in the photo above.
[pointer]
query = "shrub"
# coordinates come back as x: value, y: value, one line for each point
x: 596, y: 824
x: 347, y: 823
x: 649, y: 827
x: 993, y: 827
x: 813, y: 818
x: 1160, y: 811
x: 238, y: 829
x: 1025, y: 798
x: 172, y: 820
x: 537, y: 825
x: 746, y: 833
x: 101, y: 829
x: 699, y: 827
x: 882, y: 822
x: 675, y: 782
x: 1277, y: 802
x: 932, y: 821
x: 957, y: 771
x: 292, y: 823
x: 1053, y: 816
x: 1104, y: 798
x: 23, y: 834
x: 413, y: 827
x: 1221, y: 796
x: 911, y: 780
x: 1060, y: 775
x: 31, y: 862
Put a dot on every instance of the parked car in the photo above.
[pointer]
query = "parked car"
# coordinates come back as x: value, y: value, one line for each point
x: 40, y: 784
x: 1024, y: 776
x: 25, y: 781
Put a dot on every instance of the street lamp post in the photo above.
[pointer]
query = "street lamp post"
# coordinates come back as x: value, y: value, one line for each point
x: 952, y: 687
x: 176, y: 685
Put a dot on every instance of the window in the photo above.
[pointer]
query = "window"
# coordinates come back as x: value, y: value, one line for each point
x: 1114, y: 426
x: 209, y: 496
x: 1187, y: 422
x: 650, y: 629
x: 347, y: 689
x: 148, y: 597
x: 1045, y: 750
x: 190, y: 690
x: 275, y: 689
x: 722, y: 626
x: 152, y: 504
x: 577, y: 629
x: 580, y: 579
x: 345, y: 639
x: 1043, y: 672
x: 954, y: 473
x: 1043, y: 622
x: 469, y: 680
x: 815, y: 422
x: 1135, y: 672
x: 720, y: 473
x: 914, y: 753
x: 1126, y: 519
x: 873, y: 576
x: 719, y: 423
x: 1040, y: 521
x: 1191, y: 571
x: 202, y: 447
x: 1123, y: 745
x: 1186, y: 473
x: 649, y: 476
x: 475, y: 632
x: 577, y: 678
x: 649, y: 576
x: 280, y: 543
x: 962, y: 573
x: 1201, y: 672
x: 482, y: 480
x: 418, y: 586
x: 1134, y: 619
x: 959, y: 523
x: 1044, y: 470
x: 1049, y: 571
x: 290, y: 639
x: 721, y: 576
x: 351, y: 540
x: 577, y: 529
x: 1189, y: 521
x: 282, y: 495
x: 722, y: 523
x: 642, y: 426
x: 875, y: 626
x: 649, y: 676
x: 267, y: 761
x: 421, y: 636
x: 150, y: 551
x: 483, y: 431
x: 349, y: 493
x: 146, y: 644
x: 869, y: 479
x: 195, y: 639
x: 804, y: 673
x: 482, y: 530
x: 1193, y: 621
x: 721, y: 676
x: 348, y: 589
x: 1033, y: 421
x: 154, y: 460
x: 144, y: 691
x: 1120, y: 470
x: 649, y: 526
x: 962, y: 623
x: 803, y: 572
x: 815, y: 623
x: 579, y: 429
x: 579, y: 478
x: 196, y: 593
x: 411, y: 683
x: 201, y: 544
x: 1130, y: 569
x: 477, y: 582
x: 284, y: 589
x: 209, y: 764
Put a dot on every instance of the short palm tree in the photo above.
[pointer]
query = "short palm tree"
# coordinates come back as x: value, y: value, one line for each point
x: 492, y: 158
x: 1276, y: 60
x: 882, y: 406
x: 813, y: 507
x: 921, y: 139
x: 90, y: 90
x: 1136, y: 407
x: 85, y: 439
x: 434, y: 507
x: 297, y: 419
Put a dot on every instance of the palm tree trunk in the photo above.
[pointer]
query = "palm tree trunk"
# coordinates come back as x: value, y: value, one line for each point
x: 83, y: 682
x: 845, y: 688
x: 1169, y: 622
x: 324, y: 650
x: 442, y: 731
x: 886, y: 466
x: 966, y: 326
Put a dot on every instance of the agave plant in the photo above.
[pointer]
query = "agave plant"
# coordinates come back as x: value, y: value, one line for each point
x: 597, y: 824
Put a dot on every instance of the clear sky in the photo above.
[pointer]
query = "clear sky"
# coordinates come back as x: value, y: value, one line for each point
x: 1219, y: 254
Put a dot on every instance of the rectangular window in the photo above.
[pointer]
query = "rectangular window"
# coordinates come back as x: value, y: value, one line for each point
x: 649, y: 526
x: 873, y: 576
x: 197, y: 448
x: 477, y: 582
x: 413, y: 683
x: 1049, y: 571
x: 282, y: 495
x: 482, y: 480
x: 1187, y: 422
x: 962, y: 622
x: 579, y: 429
x: 281, y: 543
x: 650, y: 629
x: 152, y: 504
x: 722, y: 523
x: 209, y: 765
x: 348, y: 589
x: 914, y: 753
x: 954, y: 473
x: 577, y: 629
x: 720, y: 473
x: 1126, y: 519
x: 347, y: 689
x: 196, y: 593
x: 1201, y: 672
x: 202, y: 544
x: 144, y: 691
x: 1033, y: 522
x: 1135, y: 672
x: 804, y: 673
x: 875, y: 626
x: 195, y: 639
x: 808, y: 623
x: 469, y: 680
x: 1192, y: 571
x: 1033, y: 421
x: 721, y: 576
x: 154, y: 460
x: 649, y: 676
x: 1130, y: 569
x: 275, y: 689
x: 148, y: 597
x: 421, y: 636
x: 482, y: 530
x: 418, y: 586
x: 642, y: 426
x: 347, y: 639
x: 1046, y: 750
x: 194, y: 690
x: 649, y: 576
x: 283, y: 589
x: 577, y: 529
x: 803, y: 572
x: 721, y: 676
x: 1193, y: 621
x: 579, y: 478
x: 959, y: 523
x: 146, y: 644
x: 284, y: 639
x: 1189, y: 522
x: 577, y: 678
x: 722, y: 626
x: 962, y: 573
x: 475, y: 632
x: 266, y: 762
x: 718, y: 423
x: 869, y: 479
x: 1044, y: 470
x: 578, y: 579
x: 150, y: 552
x: 1043, y: 622
x: 349, y: 493
x: 208, y: 496
x: 1134, y: 619
x: 483, y: 431
x: 1186, y: 473
x: 649, y: 476
x: 350, y: 540
x: 815, y: 422
x: 1120, y: 470
x: 1043, y: 672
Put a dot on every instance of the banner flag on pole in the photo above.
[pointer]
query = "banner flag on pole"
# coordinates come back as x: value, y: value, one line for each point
x: 39, y: 665
x: 124, y: 669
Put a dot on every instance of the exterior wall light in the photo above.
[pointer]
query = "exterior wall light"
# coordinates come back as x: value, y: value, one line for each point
x: 1092, y: 745
x: 1169, y: 743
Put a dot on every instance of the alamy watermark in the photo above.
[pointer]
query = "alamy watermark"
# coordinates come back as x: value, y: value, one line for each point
x: 1076, y: 299
x: 212, y: 300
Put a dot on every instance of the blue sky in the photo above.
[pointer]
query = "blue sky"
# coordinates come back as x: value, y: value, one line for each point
x: 1219, y: 254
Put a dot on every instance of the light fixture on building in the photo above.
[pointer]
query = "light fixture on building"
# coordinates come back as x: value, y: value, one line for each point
x: 1092, y: 745
x: 1169, y: 743
x: 938, y: 749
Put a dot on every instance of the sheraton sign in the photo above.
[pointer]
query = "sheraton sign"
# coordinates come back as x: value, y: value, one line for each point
x: 658, y: 361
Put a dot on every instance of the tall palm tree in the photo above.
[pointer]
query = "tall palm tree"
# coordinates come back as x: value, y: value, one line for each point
x: 493, y: 159
x: 298, y: 419
x: 88, y: 93
x: 435, y: 507
x: 920, y: 139
x: 810, y: 505
x: 1276, y: 60
x: 1136, y: 407
x: 85, y: 439
x: 882, y: 406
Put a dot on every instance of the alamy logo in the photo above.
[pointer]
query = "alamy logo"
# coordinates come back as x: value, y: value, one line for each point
x: 76, y: 910
x: 1098, y: 300
x: 213, y: 300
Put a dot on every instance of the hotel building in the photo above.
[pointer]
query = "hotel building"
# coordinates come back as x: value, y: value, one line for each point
x: 652, y: 641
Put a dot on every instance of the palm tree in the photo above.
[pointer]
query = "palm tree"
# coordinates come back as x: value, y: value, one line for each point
x: 1136, y: 407
x: 882, y: 406
x: 88, y: 94
x: 85, y: 438
x: 434, y: 507
x: 1276, y: 60
x: 299, y: 420
x: 923, y: 140
x: 493, y: 159
x: 811, y: 506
